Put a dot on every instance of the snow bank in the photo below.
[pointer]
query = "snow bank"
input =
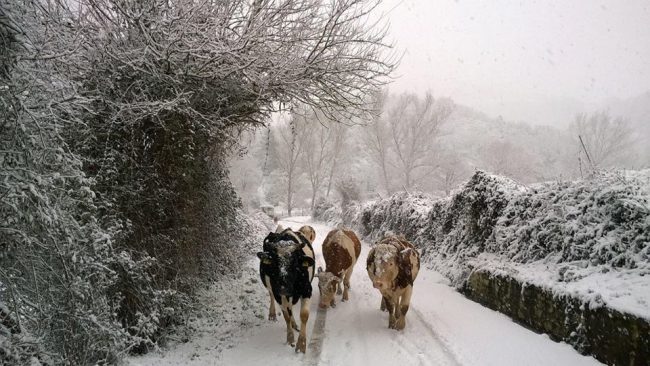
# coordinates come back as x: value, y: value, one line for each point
x: 225, y: 312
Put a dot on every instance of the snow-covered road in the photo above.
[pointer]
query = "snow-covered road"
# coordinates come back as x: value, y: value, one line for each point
x: 443, y: 328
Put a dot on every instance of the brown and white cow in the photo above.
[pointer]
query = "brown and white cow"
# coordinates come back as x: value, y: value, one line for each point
x: 308, y: 232
x: 341, y: 249
x: 393, y: 264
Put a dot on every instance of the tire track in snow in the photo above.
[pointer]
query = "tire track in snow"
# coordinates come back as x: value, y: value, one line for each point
x: 420, y: 345
x: 437, y: 338
x: 315, y: 346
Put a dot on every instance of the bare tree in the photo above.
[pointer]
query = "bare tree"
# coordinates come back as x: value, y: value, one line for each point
x: 289, y: 144
x: 339, y: 137
x: 451, y: 170
x: 608, y: 141
x: 414, y: 126
x: 376, y: 139
x: 245, y: 167
x: 320, y: 154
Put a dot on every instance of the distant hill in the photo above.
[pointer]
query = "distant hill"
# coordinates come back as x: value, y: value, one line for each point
x: 528, y: 153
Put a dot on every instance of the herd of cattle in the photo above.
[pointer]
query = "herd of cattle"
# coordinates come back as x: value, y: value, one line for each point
x: 287, y: 267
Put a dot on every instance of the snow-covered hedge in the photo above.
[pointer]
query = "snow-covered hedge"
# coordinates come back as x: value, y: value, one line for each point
x: 328, y: 211
x: 335, y: 212
x: 402, y: 213
x: 555, y: 234
x: 599, y: 221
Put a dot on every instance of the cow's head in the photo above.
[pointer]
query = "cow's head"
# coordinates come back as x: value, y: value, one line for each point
x: 383, y: 267
x: 285, y: 262
x: 327, y: 284
x: 308, y: 232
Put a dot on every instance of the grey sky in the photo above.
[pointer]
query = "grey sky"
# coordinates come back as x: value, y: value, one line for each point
x: 539, y: 61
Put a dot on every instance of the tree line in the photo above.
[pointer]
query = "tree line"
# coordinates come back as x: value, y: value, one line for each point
x: 420, y: 143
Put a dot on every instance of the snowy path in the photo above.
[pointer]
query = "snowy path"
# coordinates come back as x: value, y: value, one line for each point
x: 443, y: 328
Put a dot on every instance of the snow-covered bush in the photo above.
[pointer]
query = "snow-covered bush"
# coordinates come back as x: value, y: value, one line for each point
x: 458, y: 228
x: 59, y: 261
x: 259, y: 217
x: 335, y: 213
x: 327, y: 211
x: 402, y: 213
x: 602, y: 220
x: 116, y: 121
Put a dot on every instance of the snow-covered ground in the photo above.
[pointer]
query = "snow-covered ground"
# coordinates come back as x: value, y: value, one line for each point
x: 443, y: 328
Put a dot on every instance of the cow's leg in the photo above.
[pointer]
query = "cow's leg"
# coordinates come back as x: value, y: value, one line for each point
x: 272, y: 313
x: 286, y: 312
x: 301, y: 346
x: 404, y: 303
x: 390, y: 306
x: 293, y: 322
x: 346, y: 283
x: 339, y: 289
x: 382, y: 307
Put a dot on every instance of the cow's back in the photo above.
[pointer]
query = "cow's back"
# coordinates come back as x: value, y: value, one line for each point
x: 355, y: 241
x: 340, y: 250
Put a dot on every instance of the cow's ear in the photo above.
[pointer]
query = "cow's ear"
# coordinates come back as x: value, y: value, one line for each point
x: 264, y: 257
x: 307, y: 261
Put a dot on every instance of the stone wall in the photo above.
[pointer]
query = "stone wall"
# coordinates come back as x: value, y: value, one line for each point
x: 612, y: 337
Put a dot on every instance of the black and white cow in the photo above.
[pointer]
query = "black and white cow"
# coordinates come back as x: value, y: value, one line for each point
x: 286, y: 270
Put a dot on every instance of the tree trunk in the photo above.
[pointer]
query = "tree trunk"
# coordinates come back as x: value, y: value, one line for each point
x: 329, y: 181
x: 289, y: 192
x: 386, y: 184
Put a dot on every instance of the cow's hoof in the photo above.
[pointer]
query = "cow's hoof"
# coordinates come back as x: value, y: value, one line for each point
x: 339, y: 291
x: 301, y: 346
x: 273, y: 317
x: 400, y: 323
